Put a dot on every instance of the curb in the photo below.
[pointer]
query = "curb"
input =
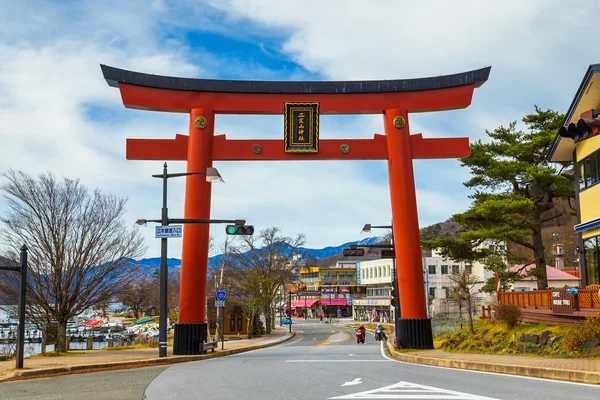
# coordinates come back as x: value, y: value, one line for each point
x: 535, y: 372
x: 75, y: 369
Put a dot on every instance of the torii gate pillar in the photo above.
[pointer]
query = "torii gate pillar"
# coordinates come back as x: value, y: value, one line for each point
x: 203, y: 98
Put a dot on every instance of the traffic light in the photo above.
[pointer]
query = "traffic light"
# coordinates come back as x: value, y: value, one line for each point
x: 239, y: 229
x: 354, y: 252
x: 394, y: 301
x: 584, y: 129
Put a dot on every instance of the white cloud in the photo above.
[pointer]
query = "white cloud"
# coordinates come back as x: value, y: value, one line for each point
x: 59, y: 114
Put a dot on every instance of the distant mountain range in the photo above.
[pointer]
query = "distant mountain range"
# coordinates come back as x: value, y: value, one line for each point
x: 151, y: 264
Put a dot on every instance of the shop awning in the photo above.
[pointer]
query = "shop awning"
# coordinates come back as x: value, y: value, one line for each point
x: 334, y: 302
x: 301, y: 303
x: 587, y: 225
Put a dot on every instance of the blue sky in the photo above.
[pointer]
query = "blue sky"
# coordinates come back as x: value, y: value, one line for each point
x: 58, y: 114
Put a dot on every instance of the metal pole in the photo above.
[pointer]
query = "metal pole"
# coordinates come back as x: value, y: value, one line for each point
x: 305, y: 317
x: 164, y: 275
x: 22, y: 300
x: 223, y: 327
x: 427, y: 291
x: 290, y: 326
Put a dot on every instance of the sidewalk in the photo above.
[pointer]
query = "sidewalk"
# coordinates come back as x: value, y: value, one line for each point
x: 129, y: 358
x: 584, y: 370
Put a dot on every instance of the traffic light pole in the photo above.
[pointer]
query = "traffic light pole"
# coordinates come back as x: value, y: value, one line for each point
x: 164, y: 274
x: 164, y: 270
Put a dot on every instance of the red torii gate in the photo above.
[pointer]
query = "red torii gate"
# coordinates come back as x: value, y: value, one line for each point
x: 203, y: 98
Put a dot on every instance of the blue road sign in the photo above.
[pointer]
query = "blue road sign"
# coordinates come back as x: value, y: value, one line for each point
x: 171, y: 231
x: 349, y: 301
x: 221, y: 295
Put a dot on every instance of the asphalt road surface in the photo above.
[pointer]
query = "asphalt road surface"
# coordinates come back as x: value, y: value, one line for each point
x: 322, y: 362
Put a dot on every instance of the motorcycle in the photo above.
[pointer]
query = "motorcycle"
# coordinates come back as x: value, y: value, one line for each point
x: 379, y: 334
x: 360, y: 336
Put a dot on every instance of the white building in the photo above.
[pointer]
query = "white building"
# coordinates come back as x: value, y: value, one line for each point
x: 437, y: 272
x: 556, y: 278
x: 376, y: 275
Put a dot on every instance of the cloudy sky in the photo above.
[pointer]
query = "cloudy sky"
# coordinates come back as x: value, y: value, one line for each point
x: 58, y: 114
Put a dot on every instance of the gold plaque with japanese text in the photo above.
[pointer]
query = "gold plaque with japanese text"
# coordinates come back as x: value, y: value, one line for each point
x: 301, y: 127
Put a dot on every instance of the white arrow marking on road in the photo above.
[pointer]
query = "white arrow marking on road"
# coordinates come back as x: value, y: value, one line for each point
x: 356, y: 381
x: 407, y: 390
x: 351, y: 355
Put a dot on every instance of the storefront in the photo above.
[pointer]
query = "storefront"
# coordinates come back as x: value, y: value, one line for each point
x: 373, y: 310
x: 336, y: 308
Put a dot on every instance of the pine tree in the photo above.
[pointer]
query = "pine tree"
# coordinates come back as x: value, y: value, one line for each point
x: 514, y: 190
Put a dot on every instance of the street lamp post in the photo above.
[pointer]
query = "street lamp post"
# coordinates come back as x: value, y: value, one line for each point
x: 211, y: 175
x: 22, y: 269
x: 367, y: 228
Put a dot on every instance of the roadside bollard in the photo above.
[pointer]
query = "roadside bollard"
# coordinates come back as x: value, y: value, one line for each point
x: 120, y: 342
x: 89, y: 344
x: 111, y: 342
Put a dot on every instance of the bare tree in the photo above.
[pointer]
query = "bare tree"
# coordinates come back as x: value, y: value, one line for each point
x: 137, y: 294
x: 272, y: 256
x: 79, y: 246
x: 462, y: 291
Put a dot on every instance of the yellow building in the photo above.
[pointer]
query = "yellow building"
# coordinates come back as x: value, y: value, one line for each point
x: 578, y: 141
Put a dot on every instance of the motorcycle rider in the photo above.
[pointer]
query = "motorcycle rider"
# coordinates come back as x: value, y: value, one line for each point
x: 361, y: 329
x: 379, y: 330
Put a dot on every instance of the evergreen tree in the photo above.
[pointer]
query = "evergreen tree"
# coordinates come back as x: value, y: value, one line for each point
x: 514, y: 191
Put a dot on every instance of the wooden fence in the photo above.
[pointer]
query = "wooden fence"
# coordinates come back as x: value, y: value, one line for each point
x: 585, y: 299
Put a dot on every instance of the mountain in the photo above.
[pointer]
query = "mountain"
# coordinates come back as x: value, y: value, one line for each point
x: 151, y: 264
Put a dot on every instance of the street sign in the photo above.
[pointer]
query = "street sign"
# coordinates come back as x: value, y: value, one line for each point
x: 349, y: 301
x: 171, y: 231
x: 221, y: 295
x: 220, y: 303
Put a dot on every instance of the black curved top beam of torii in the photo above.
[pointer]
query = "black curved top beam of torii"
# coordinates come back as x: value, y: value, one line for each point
x: 114, y: 76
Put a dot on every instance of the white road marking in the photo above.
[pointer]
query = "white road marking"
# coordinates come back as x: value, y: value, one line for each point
x: 351, y: 355
x: 489, y: 373
x: 407, y: 390
x: 356, y: 381
x: 326, y: 361
x: 283, y: 345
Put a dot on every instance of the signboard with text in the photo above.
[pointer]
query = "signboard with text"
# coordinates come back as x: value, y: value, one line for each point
x: 561, y: 301
x: 301, y: 127
x: 170, y: 231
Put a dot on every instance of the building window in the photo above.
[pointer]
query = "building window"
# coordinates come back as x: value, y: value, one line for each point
x: 469, y: 269
x: 589, y: 171
x: 240, y: 323
x: 431, y: 292
x: 444, y: 270
x: 232, y: 323
x: 592, y: 260
x: 455, y: 269
x: 431, y: 269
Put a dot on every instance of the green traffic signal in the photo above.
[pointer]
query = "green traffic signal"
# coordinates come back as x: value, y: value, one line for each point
x: 239, y: 229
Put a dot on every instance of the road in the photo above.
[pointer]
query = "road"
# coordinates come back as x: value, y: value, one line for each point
x: 322, y: 362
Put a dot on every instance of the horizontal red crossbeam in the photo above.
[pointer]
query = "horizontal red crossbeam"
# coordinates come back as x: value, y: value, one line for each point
x: 329, y: 149
x: 149, y: 98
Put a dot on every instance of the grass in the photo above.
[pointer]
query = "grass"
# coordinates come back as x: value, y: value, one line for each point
x: 55, y: 354
x: 135, y: 346
x: 387, y: 328
x: 495, y: 338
